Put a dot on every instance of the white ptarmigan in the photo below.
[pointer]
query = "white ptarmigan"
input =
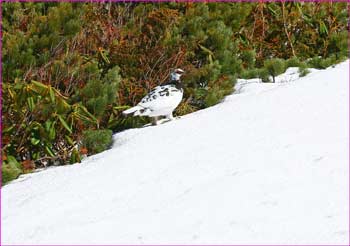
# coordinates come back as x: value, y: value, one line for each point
x: 162, y: 100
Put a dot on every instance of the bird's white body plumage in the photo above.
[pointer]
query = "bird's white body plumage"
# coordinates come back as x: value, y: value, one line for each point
x: 161, y: 101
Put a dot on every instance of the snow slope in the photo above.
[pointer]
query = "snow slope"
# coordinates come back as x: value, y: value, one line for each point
x: 267, y: 166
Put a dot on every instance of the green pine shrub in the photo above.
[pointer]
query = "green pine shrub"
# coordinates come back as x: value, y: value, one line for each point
x: 322, y: 63
x: 96, y: 141
x: 303, y: 71
x: 222, y: 88
x: 207, y: 31
x: 264, y: 75
x: 293, y: 62
x: 275, y: 67
x: 260, y: 73
x: 248, y: 58
x: 338, y: 45
x: 185, y: 108
x: 35, y: 36
x: 250, y: 73
x: 99, y: 93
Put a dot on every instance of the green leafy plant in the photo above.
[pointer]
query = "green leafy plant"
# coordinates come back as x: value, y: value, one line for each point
x: 48, y: 123
x: 10, y: 169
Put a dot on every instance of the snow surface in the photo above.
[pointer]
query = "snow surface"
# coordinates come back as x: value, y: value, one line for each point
x: 269, y: 165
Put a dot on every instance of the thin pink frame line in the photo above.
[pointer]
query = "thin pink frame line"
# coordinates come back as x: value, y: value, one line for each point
x: 158, y: 1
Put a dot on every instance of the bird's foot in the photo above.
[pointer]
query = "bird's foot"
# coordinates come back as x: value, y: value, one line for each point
x: 155, y: 121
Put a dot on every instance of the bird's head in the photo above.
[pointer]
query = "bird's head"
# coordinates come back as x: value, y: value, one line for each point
x: 176, y: 74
